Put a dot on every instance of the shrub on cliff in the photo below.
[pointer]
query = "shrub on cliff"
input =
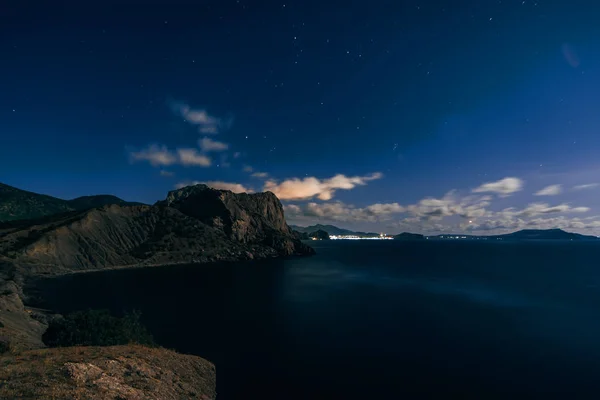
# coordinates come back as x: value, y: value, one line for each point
x: 96, y: 328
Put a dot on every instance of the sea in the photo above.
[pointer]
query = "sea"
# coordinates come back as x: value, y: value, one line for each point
x: 374, y: 319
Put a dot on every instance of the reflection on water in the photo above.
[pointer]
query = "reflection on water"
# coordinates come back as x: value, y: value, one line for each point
x: 374, y: 320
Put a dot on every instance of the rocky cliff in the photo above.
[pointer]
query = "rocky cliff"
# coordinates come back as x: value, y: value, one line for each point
x: 195, y: 224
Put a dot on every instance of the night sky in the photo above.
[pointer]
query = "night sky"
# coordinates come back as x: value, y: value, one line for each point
x: 422, y: 116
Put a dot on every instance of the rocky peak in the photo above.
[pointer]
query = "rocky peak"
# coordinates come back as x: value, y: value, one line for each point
x: 242, y: 217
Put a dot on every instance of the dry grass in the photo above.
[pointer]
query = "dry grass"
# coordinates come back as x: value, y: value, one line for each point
x: 116, y: 372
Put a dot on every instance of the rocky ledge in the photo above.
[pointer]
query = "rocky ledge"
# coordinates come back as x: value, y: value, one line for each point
x: 116, y: 372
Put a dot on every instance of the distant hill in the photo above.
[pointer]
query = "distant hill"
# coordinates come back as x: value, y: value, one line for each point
x: 409, y: 236
x: 544, y: 234
x: 331, y: 230
x: 86, y: 202
x: 525, y: 234
x: 319, y: 235
x: 20, y: 204
x: 17, y: 204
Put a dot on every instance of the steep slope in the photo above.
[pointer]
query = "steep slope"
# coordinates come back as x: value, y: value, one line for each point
x: 245, y: 218
x: 193, y: 225
x: 17, y: 204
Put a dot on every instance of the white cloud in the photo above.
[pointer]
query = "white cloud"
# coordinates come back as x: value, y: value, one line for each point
x: 338, y: 211
x: 383, y: 209
x: 156, y: 155
x: 206, y: 123
x: 248, y: 168
x: 260, y: 175
x: 452, y: 213
x: 191, y: 157
x: 160, y: 156
x: 586, y: 186
x: 551, y: 190
x: 535, y: 209
x: 234, y: 187
x: 208, y: 144
x: 307, y: 188
x: 514, y: 224
x: 504, y: 187
x: 451, y: 205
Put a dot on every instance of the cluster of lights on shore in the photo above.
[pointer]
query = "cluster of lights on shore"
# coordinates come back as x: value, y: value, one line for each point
x: 382, y: 236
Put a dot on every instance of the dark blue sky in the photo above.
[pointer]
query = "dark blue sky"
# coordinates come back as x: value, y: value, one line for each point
x: 381, y: 115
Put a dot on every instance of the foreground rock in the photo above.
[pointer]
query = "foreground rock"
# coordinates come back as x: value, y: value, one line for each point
x: 195, y: 224
x: 117, y: 372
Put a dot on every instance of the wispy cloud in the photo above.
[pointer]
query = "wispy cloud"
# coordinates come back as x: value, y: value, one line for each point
x: 339, y: 211
x: 199, y: 117
x: 161, y: 156
x: 451, y: 204
x: 586, y: 186
x: 504, y: 187
x: 234, y: 187
x: 166, y: 173
x: 260, y: 175
x: 248, y: 168
x: 324, y: 189
x: 208, y: 144
x: 191, y: 157
x: 551, y: 190
x: 535, y: 209
x: 156, y: 155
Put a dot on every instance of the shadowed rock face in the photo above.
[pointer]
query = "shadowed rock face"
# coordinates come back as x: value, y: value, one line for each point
x: 195, y: 224
x: 245, y: 218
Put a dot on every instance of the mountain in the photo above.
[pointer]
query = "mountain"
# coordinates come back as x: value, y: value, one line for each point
x: 331, y: 230
x: 20, y: 204
x: 544, y: 234
x: 86, y: 202
x: 17, y: 204
x: 195, y: 224
x: 409, y: 236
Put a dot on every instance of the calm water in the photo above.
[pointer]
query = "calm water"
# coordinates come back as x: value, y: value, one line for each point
x: 375, y: 320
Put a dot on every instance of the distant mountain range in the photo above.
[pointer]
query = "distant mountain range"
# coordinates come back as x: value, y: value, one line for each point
x: 525, y: 234
x: 17, y: 204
